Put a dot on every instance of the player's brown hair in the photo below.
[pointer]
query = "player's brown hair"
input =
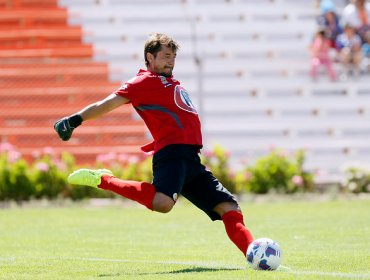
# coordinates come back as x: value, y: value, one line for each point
x: 155, y: 42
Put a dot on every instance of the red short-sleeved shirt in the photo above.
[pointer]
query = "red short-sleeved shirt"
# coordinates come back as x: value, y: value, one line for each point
x: 166, y: 109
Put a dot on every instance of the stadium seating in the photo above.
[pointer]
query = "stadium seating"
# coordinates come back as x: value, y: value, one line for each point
x: 48, y: 72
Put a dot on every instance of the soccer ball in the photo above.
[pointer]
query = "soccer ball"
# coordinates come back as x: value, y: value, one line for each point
x: 264, y: 254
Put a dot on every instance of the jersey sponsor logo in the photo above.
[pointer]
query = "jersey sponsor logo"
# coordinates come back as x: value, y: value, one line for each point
x: 183, y: 100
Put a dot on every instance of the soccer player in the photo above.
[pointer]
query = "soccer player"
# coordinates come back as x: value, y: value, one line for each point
x: 171, y: 118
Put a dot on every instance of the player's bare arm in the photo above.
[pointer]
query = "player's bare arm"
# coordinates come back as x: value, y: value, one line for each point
x: 65, y: 126
x: 102, y: 107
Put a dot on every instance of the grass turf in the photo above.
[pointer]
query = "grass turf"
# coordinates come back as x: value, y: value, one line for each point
x: 320, y: 240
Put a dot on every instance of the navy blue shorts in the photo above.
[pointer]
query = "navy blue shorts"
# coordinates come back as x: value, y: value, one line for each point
x: 177, y: 170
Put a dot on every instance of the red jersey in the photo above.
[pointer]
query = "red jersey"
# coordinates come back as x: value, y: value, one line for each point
x: 166, y: 109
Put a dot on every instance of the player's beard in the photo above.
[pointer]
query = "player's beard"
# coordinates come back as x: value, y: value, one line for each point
x: 167, y: 74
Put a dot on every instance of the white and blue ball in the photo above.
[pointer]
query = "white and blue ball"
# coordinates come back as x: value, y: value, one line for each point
x: 264, y: 254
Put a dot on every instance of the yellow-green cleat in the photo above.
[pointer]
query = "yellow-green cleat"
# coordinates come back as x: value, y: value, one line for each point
x: 88, y: 177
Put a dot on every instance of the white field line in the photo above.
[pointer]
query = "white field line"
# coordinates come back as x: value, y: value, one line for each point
x: 215, y: 265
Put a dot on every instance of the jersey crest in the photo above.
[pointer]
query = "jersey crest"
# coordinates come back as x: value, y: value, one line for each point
x: 183, y: 100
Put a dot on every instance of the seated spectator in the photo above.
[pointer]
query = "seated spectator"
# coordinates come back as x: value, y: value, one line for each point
x: 320, y: 55
x: 357, y: 14
x: 349, y: 46
x: 366, y: 52
x: 329, y: 21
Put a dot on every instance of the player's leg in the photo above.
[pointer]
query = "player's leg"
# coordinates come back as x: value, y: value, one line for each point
x: 168, y: 179
x: 141, y: 192
x: 168, y: 173
x: 208, y: 194
x: 235, y: 228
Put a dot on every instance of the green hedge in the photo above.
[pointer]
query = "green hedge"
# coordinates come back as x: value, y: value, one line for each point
x: 46, y: 176
x: 273, y: 172
x: 356, y: 177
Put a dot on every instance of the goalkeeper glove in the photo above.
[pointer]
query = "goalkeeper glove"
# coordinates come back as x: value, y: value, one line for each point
x: 64, y: 127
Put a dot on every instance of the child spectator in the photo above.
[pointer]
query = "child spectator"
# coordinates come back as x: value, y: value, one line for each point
x: 320, y: 55
x: 329, y: 21
x: 349, y: 46
x: 357, y: 14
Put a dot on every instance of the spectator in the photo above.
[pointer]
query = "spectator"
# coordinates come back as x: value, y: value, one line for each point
x: 357, y: 14
x: 349, y: 46
x: 320, y: 55
x: 366, y: 52
x: 329, y: 21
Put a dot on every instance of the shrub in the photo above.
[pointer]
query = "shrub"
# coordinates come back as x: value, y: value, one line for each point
x: 49, y: 177
x: 278, y: 172
x: 356, y: 177
x: 15, y: 182
x: 217, y: 161
x: 128, y: 167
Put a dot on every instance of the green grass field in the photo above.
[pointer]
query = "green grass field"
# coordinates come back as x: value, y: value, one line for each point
x: 320, y: 240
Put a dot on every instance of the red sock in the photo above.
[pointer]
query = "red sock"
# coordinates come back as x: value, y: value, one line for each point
x: 236, y: 230
x: 141, y: 192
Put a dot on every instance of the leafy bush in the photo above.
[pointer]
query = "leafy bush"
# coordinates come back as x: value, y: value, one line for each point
x: 15, y: 182
x: 129, y: 167
x: 356, y: 177
x: 278, y: 172
x: 46, y: 176
x: 217, y: 161
x: 49, y: 178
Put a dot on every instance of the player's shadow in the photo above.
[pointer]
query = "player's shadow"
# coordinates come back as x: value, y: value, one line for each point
x: 194, y: 269
x: 198, y: 269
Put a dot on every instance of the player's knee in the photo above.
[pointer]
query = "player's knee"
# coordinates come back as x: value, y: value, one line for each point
x: 162, y: 203
x: 225, y: 207
x: 163, y: 207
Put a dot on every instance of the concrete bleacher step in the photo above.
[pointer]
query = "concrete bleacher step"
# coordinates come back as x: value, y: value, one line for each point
x: 10, y: 4
x: 84, y: 136
x: 46, y: 117
x: 55, y: 97
x: 57, y: 73
x: 84, y: 154
x: 23, y: 17
x: 286, y: 142
x: 49, y: 84
x: 44, y: 52
x: 40, y: 36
